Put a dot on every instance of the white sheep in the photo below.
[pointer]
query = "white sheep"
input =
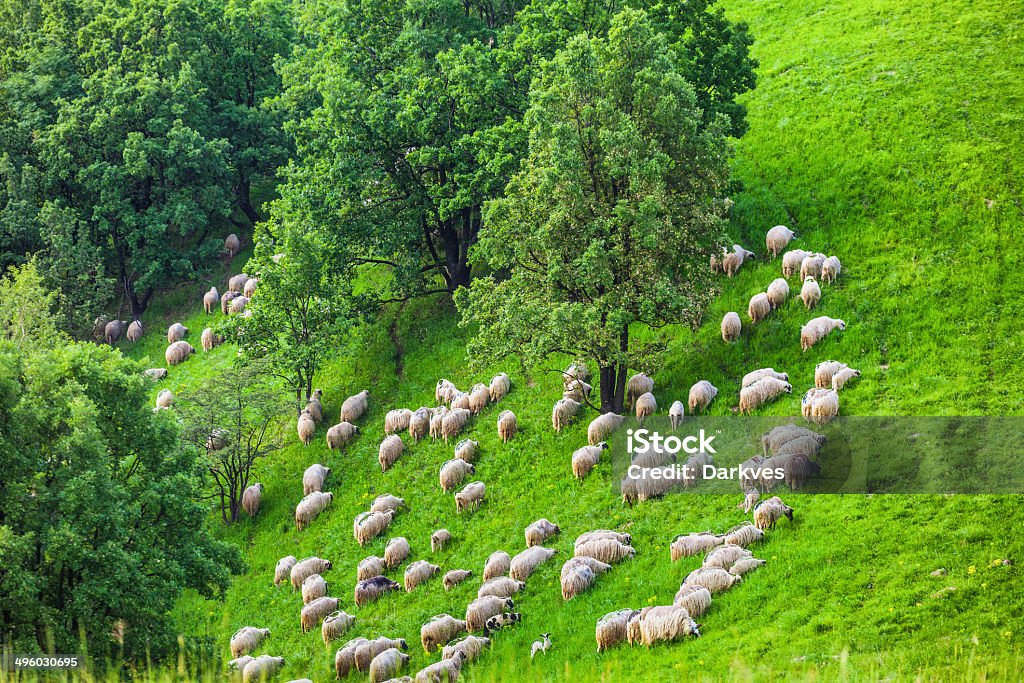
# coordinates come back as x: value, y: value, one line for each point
x: 283, y: 569
x: 611, y: 629
x: 762, y: 391
x: 578, y: 579
x: 305, y: 568
x: 500, y: 586
x: 237, y: 283
x: 602, y: 426
x: 524, y: 563
x: 250, y: 287
x: 455, y: 577
x: 261, y: 668
x: 437, y: 421
x: 777, y: 239
x: 314, y: 613
x: 791, y: 261
x: 164, y: 399
x: 340, y: 434
x: 665, y: 623
x: 370, y: 567
x: 607, y: 550
x: 675, y: 414
x: 768, y: 512
x: 238, y: 304
x: 176, y: 332
x: 396, y: 551
x: 638, y: 385
x: 746, y: 564
x: 470, y: 647
x: 817, y: 329
x: 810, y: 292
x: 761, y: 373
x: 386, y: 501
x: 445, y: 391
x: 564, y: 411
x: 497, y: 563
x: 247, y: 639
x: 440, y: 629
x: 390, y: 450
x: 831, y: 269
x: 466, y: 450
x: 811, y: 265
x: 714, y: 579
x: 759, y: 307
x: 354, y: 406
x: 646, y: 405
x: 209, y: 339
x: 600, y: 535
x: 686, y: 545
x: 777, y: 292
x: 586, y: 458
x: 731, y: 326
x: 701, y: 395
x: 210, y: 300
x: 312, y: 588
x: 252, y: 497
x: 507, y: 425
x: 694, y: 599
x: 540, y: 531
x: 453, y: 472
x: 471, y: 495
x: 482, y: 609
x: 310, y: 507
x: 306, y: 427
x: 575, y: 372
x: 479, y: 397
x: 732, y: 262
x: 743, y: 535
x: 577, y: 391
x: 231, y: 245
x: 499, y: 387
x: 334, y: 625
x: 439, y: 539
x: 369, y: 525
x: 824, y: 371
x: 313, y: 478
x: 178, y: 352
x: 724, y: 555
x: 453, y: 423
x: 387, y: 665
x: 840, y: 379
x: 418, y: 573
x: 419, y: 424
x: 397, y: 420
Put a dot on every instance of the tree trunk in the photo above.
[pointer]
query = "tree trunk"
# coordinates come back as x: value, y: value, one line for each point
x: 613, y: 380
x: 243, y: 195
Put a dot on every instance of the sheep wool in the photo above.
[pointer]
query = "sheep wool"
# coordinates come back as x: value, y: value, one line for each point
x: 334, y: 626
x: 396, y: 552
x: 577, y: 391
x: 354, y: 406
x: 777, y: 292
x: 578, y: 579
x: 466, y: 450
x: 586, y: 458
x: 370, y: 567
x: 563, y: 413
x: 575, y: 372
x: 232, y: 245
x: 453, y: 472
x: 453, y: 423
x: 247, y: 639
x: 209, y: 339
x: 390, y: 450
x: 665, y: 623
x: 261, y: 668
x: 418, y: 573
x: 134, y: 333
x: 455, y: 577
x: 602, y: 426
x: 470, y: 647
x: 807, y: 402
x: 164, y: 399
x: 306, y: 427
x: 817, y: 329
x: 732, y: 326
x: 210, y: 300
x: 611, y: 628
x: 540, y: 531
x: 638, y: 385
x: 310, y: 507
x: 762, y: 391
x: 237, y: 666
x: 252, y: 496
x: 760, y: 374
x: 607, y: 550
x: 113, y: 331
x: 768, y: 512
x: 236, y: 283
x: 825, y: 406
x: 385, y: 502
x: 397, y: 420
x: 345, y: 657
x: 312, y: 588
x: 779, y: 436
x: 482, y: 609
x: 701, y: 395
x: 802, y: 445
x: 225, y: 301
x: 675, y: 414
x: 743, y: 535
x: 387, y: 665
x: 340, y: 434
x: 715, y: 580
x: 601, y: 534
x: 314, y: 613
x: 437, y: 421
x: 368, y: 525
x: 694, y: 599
x: 732, y: 262
x: 176, y: 332
x: 791, y: 261
x: 687, y: 545
x: 590, y: 563
x: 367, y: 652
x: 369, y: 590
x: 745, y: 565
x: 471, y: 495
x: 479, y: 397
x: 445, y: 391
x: 500, y: 586
x: 313, y: 478
x: 750, y: 497
x: 419, y: 424
x: 759, y: 307
x: 527, y: 561
x: 283, y: 569
x: 156, y: 374
x: 840, y: 379
x: 238, y: 304
x: 497, y: 564
x: 439, y: 630
x: 824, y: 371
x: 499, y: 387
x: 646, y: 405
x: 810, y: 292
x: 777, y: 239
x: 811, y: 266
x: 507, y: 425
x: 723, y: 556
x: 461, y: 401
x: 305, y: 568
x: 178, y: 352
x: 831, y: 269
x: 648, y: 483
x: 444, y: 671
x: 250, y: 287
x: 315, y: 407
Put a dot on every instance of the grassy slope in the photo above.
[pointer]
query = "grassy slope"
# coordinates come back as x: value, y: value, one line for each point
x: 878, y: 133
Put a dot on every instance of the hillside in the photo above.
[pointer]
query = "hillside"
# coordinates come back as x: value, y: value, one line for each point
x: 886, y: 136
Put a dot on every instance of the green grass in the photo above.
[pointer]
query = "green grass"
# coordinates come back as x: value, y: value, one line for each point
x: 878, y: 132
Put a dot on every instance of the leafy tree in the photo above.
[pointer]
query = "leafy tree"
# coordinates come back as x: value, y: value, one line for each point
x: 27, y: 310
x: 611, y: 220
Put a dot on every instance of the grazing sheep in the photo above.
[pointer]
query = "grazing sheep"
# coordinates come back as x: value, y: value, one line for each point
x: 540, y: 531
x: 500, y: 386
x: 607, y: 550
x: 779, y: 436
x: 366, y: 652
x: 701, y: 395
x: 396, y: 552
x: 370, y: 567
x: 210, y: 300
x: 445, y: 391
x: 312, y: 588
x: 113, y: 330
x: 460, y: 400
x: 178, y: 352
x: 156, y: 374
x: 733, y: 261
x: 611, y: 628
x: 418, y: 573
x: 575, y: 372
x: 387, y: 665
x: 340, y: 434
x: 791, y: 261
x: 261, y: 668
x: 453, y: 472
x: 507, y: 425
x: 694, y: 599
x: 687, y: 545
x: 500, y: 621
x: 777, y: 292
x: 134, y: 333
x: 756, y: 375
x: 824, y: 406
x: 577, y: 391
x: 731, y: 326
x: 482, y: 609
x: 334, y: 625
x: 743, y: 535
x: 586, y: 458
x: 811, y: 266
x: 385, y: 502
x: 237, y: 666
x: 419, y: 424
x: 209, y: 339
x: 345, y: 658
x: 164, y: 399
x: 810, y: 292
x: 176, y: 332
x: 807, y: 402
x: 648, y: 484
x: 479, y: 397
x: 715, y: 580
x: 762, y: 391
x: 439, y: 539
x: 236, y: 283
x: 466, y: 450
x: 397, y: 420
x: 525, y: 562
x: 824, y: 371
x: 665, y: 623
x: 232, y: 245
x: 578, y: 579
x: 777, y: 239
x: 840, y: 379
x: 444, y: 671
x: 369, y: 525
x: 314, y: 613
x: 251, y: 499
x: 369, y: 590
x: 437, y: 421
x: 500, y: 586
x: 723, y: 556
x: 99, y: 328
x: 354, y: 406
x: 759, y: 308
x: 745, y: 565
x: 809, y: 445
x: 439, y: 630
x: 453, y: 422
x: 817, y: 329
x: 250, y: 287
x: 315, y: 407
x: 283, y: 569
x: 470, y: 647
x: 238, y: 304
x: 600, y: 535
x: 831, y: 269
x: 310, y: 507
x: 602, y: 426
x: 225, y: 301
x: 313, y: 478
x: 675, y: 414
x: 306, y: 427
x: 305, y: 568
x: 471, y: 495
x: 654, y: 456
x: 637, y: 385
x: 455, y: 577
x: 390, y: 450
x: 596, y: 566
x: 563, y: 413
x: 798, y: 468
x: 247, y: 639
x: 750, y: 498
x: 646, y: 405
x: 497, y: 564
x: 768, y: 512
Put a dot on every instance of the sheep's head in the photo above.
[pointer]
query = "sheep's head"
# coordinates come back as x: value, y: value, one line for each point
x: 841, y: 325
x: 789, y: 388
x: 603, y: 445
x: 402, y: 645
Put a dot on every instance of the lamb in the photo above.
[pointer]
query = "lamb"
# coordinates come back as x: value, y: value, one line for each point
x: 238, y: 304
x: 455, y: 577
x: 701, y: 395
x: 453, y: 423
x: 156, y: 374
x: 540, y: 531
x: 779, y: 436
x: 825, y: 406
x: 715, y: 580
x: 759, y: 308
x: 665, y: 623
x: 500, y: 586
x: 731, y: 326
x: 283, y: 569
x: 444, y: 671
x: 387, y: 665
x: 334, y: 626
x: 164, y: 399
x: 500, y: 386
x: 768, y: 512
x: 306, y: 427
x: 236, y: 283
x: 315, y: 407
x: 745, y: 565
x: 178, y: 352
x: 445, y: 391
x: 723, y: 556
x: 247, y: 639
x: 479, y: 397
x: 209, y: 339
x: 396, y: 552
x: 312, y: 588
x: 390, y: 450
x: 761, y: 392
x: 732, y: 262
x: 811, y: 266
x: 810, y: 292
x: 577, y: 391
x: 210, y: 300
x: 482, y: 609
x: 313, y: 478
x: 310, y: 507
x: 777, y: 239
x: 354, y: 406
x: 586, y: 458
x: 602, y: 426
x: 638, y: 385
x: 778, y: 292
x: 261, y: 668
x: 369, y: 590
x: 760, y: 374
x: 824, y: 371
x: 693, y: 598
x: 439, y: 630
x: 345, y: 657
x: 564, y: 411
x: 840, y: 379
x: 252, y: 496
x: 307, y: 567
x: 830, y: 269
x: 453, y: 472
x: 500, y: 621
x: 607, y: 550
x: 232, y: 245
x: 743, y: 535
x: 436, y: 421
x: 646, y: 405
x: 368, y: 651
x: 314, y: 613
x: 750, y: 498
x: 369, y: 525
x: 525, y: 562
x: 578, y: 579
x: 470, y: 647
x: 134, y: 333
x: 418, y: 573
x: 497, y: 563
x: 817, y: 329
x: 419, y: 424
x: 225, y: 301
x: 370, y: 567
x: 385, y: 502
x: 507, y: 425
x: 466, y: 450
x: 791, y: 261
x: 471, y: 495
x: 340, y: 434
x: 687, y: 545
x: 611, y: 628
x: 675, y: 414
x: 397, y: 420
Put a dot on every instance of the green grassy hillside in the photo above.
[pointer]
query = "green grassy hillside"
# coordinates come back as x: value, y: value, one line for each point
x: 888, y: 136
